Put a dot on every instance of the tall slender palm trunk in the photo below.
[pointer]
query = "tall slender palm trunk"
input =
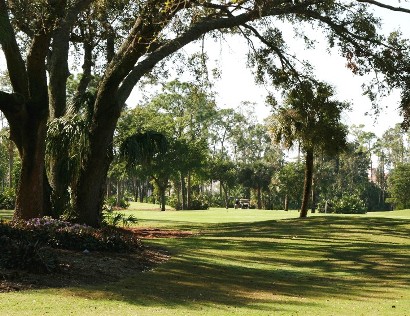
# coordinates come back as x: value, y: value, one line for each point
x: 307, y: 186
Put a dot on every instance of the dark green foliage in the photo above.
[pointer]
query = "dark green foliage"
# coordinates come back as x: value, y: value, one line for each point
x: 286, y: 185
x: 111, y: 202
x: 375, y: 198
x: 399, y: 186
x: 199, y: 204
x: 26, y: 255
x: 7, y: 199
x: 141, y: 148
x: 346, y: 204
x: 216, y: 200
x: 174, y: 203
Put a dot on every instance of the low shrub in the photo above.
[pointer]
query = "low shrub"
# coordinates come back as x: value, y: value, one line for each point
x: 61, y: 234
x: 173, y: 202
x: 199, y: 205
x: 7, y: 199
x: 347, y: 204
x: 30, y: 256
x: 111, y: 218
x: 111, y: 204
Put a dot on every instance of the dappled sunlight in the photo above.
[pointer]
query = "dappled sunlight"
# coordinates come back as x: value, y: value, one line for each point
x: 276, y: 262
x: 270, y: 266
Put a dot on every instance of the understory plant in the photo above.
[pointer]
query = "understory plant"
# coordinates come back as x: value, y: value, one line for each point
x: 346, y: 204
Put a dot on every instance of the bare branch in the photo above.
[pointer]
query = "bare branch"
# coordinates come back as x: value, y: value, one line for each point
x: 385, y: 6
x: 283, y: 59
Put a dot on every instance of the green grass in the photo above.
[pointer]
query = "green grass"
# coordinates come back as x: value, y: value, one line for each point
x: 188, y: 219
x: 251, y: 262
x: 6, y: 214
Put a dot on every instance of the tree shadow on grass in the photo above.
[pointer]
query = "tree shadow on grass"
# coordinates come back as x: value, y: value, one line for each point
x: 255, y: 264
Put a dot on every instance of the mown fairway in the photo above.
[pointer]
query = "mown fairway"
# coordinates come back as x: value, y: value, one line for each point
x: 270, y: 263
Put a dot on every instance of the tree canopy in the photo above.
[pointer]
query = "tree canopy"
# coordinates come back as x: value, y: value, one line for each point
x: 120, y: 42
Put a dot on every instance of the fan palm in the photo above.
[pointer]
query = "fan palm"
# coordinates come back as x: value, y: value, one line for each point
x: 310, y: 117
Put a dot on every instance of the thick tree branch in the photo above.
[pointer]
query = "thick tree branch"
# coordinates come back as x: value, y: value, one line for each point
x: 85, y: 79
x: 36, y: 69
x: 13, y: 107
x: 141, y: 37
x: 200, y: 28
x: 59, y: 57
x: 14, y: 60
x: 342, y: 31
x: 11, y: 103
x: 192, y: 34
x: 283, y: 59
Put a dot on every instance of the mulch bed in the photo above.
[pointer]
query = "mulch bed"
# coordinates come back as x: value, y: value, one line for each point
x: 79, y: 268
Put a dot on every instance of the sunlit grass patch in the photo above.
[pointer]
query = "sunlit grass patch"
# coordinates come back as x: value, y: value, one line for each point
x: 273, y: 264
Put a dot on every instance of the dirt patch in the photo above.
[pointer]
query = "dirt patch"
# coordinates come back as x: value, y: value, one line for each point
x: 148, y: 233
x: 77, y: 268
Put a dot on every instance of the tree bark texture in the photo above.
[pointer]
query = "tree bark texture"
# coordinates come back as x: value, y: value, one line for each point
x: 89, y: 194
x: 11, y: 162
x: 31, y: 199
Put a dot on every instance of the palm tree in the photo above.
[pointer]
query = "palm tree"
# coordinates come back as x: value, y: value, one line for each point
x: 150, y: 150
x: 310, y: 117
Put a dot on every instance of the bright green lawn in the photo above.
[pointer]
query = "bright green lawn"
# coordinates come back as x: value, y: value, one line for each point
x: 251, y: 262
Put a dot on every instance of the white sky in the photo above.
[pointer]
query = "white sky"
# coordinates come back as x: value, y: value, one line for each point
x: 237, y: 83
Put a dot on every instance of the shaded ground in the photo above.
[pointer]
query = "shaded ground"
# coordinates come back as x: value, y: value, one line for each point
x: 106, y: 267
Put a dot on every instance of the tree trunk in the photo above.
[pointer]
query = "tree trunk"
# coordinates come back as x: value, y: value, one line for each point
x: 142, y: 192
x: 11, y: 162
x: 259, y: 198
x: 225, y: 195
x: 162, y: 197
x: 59, y: 195
x: 307, y: 186
x: 108, y: 188
x: 177, y: 186
x: 135, y: 188
x: 89, y: 193
x: 313, y: 208
x: 286, y: 203
x: 189, y: 191
x: 183, y: 192
x: 118, y: 201
x: 31, y: 192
